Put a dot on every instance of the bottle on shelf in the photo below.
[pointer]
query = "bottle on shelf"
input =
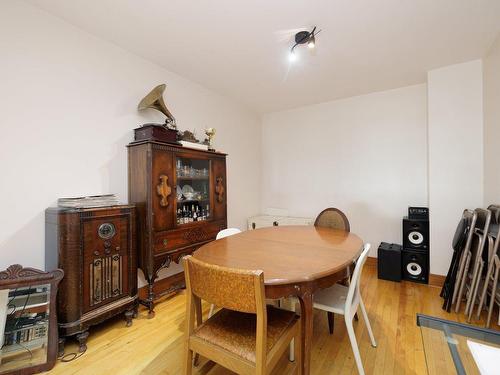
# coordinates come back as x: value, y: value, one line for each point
x: 208, y: 212
x: 195, y: 216
x: 184, y: 215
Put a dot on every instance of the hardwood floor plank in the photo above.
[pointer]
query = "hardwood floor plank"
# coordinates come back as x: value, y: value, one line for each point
x: 155, y: 346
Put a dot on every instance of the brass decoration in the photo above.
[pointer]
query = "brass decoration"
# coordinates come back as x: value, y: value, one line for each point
x: 105, y: 278
x: 163, y: 190
x: 210, y: 132
x: 219, y: 189
x: 154, y: 100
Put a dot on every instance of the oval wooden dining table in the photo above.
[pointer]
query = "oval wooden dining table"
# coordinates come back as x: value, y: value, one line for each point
x: 296, y: 260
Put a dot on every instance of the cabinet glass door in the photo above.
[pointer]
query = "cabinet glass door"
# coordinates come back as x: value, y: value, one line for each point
x: 192, y: 190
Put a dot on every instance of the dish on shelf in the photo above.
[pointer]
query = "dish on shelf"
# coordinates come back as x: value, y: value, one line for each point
x: 188, y: 191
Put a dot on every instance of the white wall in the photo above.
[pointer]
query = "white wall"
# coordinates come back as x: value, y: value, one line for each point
x: 455, y: 152
x: 68, y: 107
x: 491, y: 89
x: 366, y: 155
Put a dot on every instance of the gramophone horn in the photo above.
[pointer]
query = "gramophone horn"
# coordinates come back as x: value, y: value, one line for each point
x: 154, y: 100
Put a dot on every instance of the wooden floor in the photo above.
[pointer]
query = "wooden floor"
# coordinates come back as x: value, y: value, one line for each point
x: 155, y: 346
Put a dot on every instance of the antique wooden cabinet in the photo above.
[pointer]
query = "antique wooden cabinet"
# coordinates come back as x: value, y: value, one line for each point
x: 96, y: 248
x: 180, y: 195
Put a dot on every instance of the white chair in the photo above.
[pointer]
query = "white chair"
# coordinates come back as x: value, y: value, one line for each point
x: 343, y: 300
x: 223, y: 233
x: 227, y: 232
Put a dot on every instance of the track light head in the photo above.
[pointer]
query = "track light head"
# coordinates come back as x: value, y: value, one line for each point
x: 304, y: 37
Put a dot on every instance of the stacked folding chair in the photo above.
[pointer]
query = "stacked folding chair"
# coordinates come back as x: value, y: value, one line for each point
x: 475, y: 268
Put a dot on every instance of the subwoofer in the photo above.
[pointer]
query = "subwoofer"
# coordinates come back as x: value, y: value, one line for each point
x: 389, y: 261
x: 415, y: 266
x: 416, y: 234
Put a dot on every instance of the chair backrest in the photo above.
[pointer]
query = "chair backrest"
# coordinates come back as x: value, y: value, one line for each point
x: 353, y: 295
x: 483, y: 219
x: 332, y: 218
x: 230, y: 288
x: 495, y: 213
x: 471, y: 219
x: 481, y: 231
x: 227, y: 232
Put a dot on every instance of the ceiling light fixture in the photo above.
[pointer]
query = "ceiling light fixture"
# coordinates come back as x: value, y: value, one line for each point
x: 303, y: 37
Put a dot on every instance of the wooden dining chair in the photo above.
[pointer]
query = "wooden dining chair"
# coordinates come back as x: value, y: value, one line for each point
x: 245, y: 336
x: 335, y: 219
x: 332, y: 218
x: 222, y: 234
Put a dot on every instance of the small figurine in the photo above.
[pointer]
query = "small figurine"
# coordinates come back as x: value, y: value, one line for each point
x: 210, y: 132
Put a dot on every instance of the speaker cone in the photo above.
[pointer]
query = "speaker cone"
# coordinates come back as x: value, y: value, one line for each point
x: 416, y: 238
x: 414, y: 269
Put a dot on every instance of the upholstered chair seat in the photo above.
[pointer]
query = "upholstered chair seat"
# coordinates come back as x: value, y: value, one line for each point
x: 235, y: 331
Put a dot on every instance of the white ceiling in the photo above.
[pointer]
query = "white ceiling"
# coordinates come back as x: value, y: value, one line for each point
x: 239, y: 48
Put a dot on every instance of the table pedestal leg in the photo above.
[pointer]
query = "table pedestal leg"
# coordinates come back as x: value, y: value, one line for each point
x: 306, y: 314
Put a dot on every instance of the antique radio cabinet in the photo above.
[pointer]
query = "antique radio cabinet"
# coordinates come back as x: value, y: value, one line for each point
x: 96, y: 248
x: 180, y: 195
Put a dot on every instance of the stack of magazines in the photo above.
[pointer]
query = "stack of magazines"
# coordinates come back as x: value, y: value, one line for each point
x: 88, y: 202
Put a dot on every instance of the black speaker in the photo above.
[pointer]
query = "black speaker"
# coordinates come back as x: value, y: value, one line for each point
x: 389, y: 261
x: 415, y: 265
x: 416, y: 234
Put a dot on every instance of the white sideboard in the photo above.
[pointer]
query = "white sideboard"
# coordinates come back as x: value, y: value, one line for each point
x: 262, y: 221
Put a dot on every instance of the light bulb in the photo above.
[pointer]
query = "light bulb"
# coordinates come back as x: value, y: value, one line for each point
x: 312, y: 42
x: 292, y: 56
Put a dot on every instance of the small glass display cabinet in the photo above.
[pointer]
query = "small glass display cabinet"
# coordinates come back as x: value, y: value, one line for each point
x: 192, y: 190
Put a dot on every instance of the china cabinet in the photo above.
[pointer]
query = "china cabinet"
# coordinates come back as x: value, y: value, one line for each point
x: 180, y: 195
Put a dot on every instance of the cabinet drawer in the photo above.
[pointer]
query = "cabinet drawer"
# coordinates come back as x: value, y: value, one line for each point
x: 178, y: 238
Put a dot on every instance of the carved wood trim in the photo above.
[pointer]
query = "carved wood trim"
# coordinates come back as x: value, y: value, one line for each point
x: 163, y: 190
x: 196, y: 235
x: 219, y: 189
x: 17, y: 273
x: 163, y: 147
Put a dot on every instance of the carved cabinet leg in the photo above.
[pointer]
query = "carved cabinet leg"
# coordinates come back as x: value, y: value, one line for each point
x: 136, y: 311
x: 148, y: 302
x: 129, y: 315
x: 82, y: 340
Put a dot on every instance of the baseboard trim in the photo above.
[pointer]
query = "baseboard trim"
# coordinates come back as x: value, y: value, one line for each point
x: 371, y: 261
x: 165, y: 286
x: 434, y: 280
